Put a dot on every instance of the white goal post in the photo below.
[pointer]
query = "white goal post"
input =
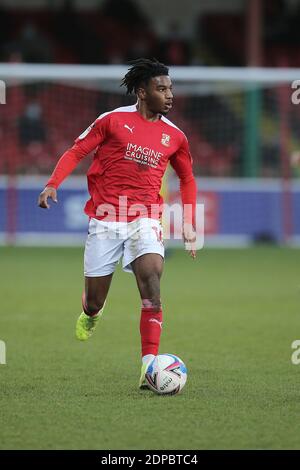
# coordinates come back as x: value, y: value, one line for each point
x: 190, y: 74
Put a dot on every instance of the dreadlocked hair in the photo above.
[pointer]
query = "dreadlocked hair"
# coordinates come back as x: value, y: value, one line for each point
x: 141, y: 71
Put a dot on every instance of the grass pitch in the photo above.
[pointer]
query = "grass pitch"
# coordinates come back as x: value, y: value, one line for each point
x: 231, y: 315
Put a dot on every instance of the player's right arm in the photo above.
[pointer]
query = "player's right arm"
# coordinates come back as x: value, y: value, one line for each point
x: 93, y: 136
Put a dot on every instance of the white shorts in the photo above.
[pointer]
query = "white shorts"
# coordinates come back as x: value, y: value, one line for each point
x: 107, y: 242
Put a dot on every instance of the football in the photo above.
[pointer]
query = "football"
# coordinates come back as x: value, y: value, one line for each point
x: 166, y: 374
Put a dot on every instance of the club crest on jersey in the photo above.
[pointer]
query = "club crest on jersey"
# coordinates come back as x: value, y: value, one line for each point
x: 165, y: 140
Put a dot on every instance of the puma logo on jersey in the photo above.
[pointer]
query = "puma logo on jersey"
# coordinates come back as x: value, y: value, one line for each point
x: 156, y: 321
x: 129, y: 128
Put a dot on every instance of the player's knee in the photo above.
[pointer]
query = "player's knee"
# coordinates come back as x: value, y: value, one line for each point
x: 93, y: 305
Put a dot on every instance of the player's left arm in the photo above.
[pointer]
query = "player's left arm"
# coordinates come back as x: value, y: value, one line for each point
x: 182, y: 163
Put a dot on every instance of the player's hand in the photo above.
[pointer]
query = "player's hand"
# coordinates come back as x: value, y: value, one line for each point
x: 189, y: 237
x: 43, y: 197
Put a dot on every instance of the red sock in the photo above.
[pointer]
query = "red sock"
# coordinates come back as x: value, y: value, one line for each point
x: 150, y: 328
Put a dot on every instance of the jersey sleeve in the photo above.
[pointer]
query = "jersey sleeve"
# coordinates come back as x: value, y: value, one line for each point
x: 91, y: 138
x: 95, y: 134
x: 182, y: 163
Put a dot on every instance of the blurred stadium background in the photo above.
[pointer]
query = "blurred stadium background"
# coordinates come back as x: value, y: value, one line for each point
x: 232, y: 314
x: 243, y: 129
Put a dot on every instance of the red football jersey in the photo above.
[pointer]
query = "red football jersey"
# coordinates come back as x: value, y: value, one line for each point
x: 130, y: 160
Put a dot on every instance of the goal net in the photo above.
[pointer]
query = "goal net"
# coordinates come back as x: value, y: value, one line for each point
x: 243, y: 126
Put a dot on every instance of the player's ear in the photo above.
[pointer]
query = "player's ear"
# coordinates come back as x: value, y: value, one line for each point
x: 141, y: 93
